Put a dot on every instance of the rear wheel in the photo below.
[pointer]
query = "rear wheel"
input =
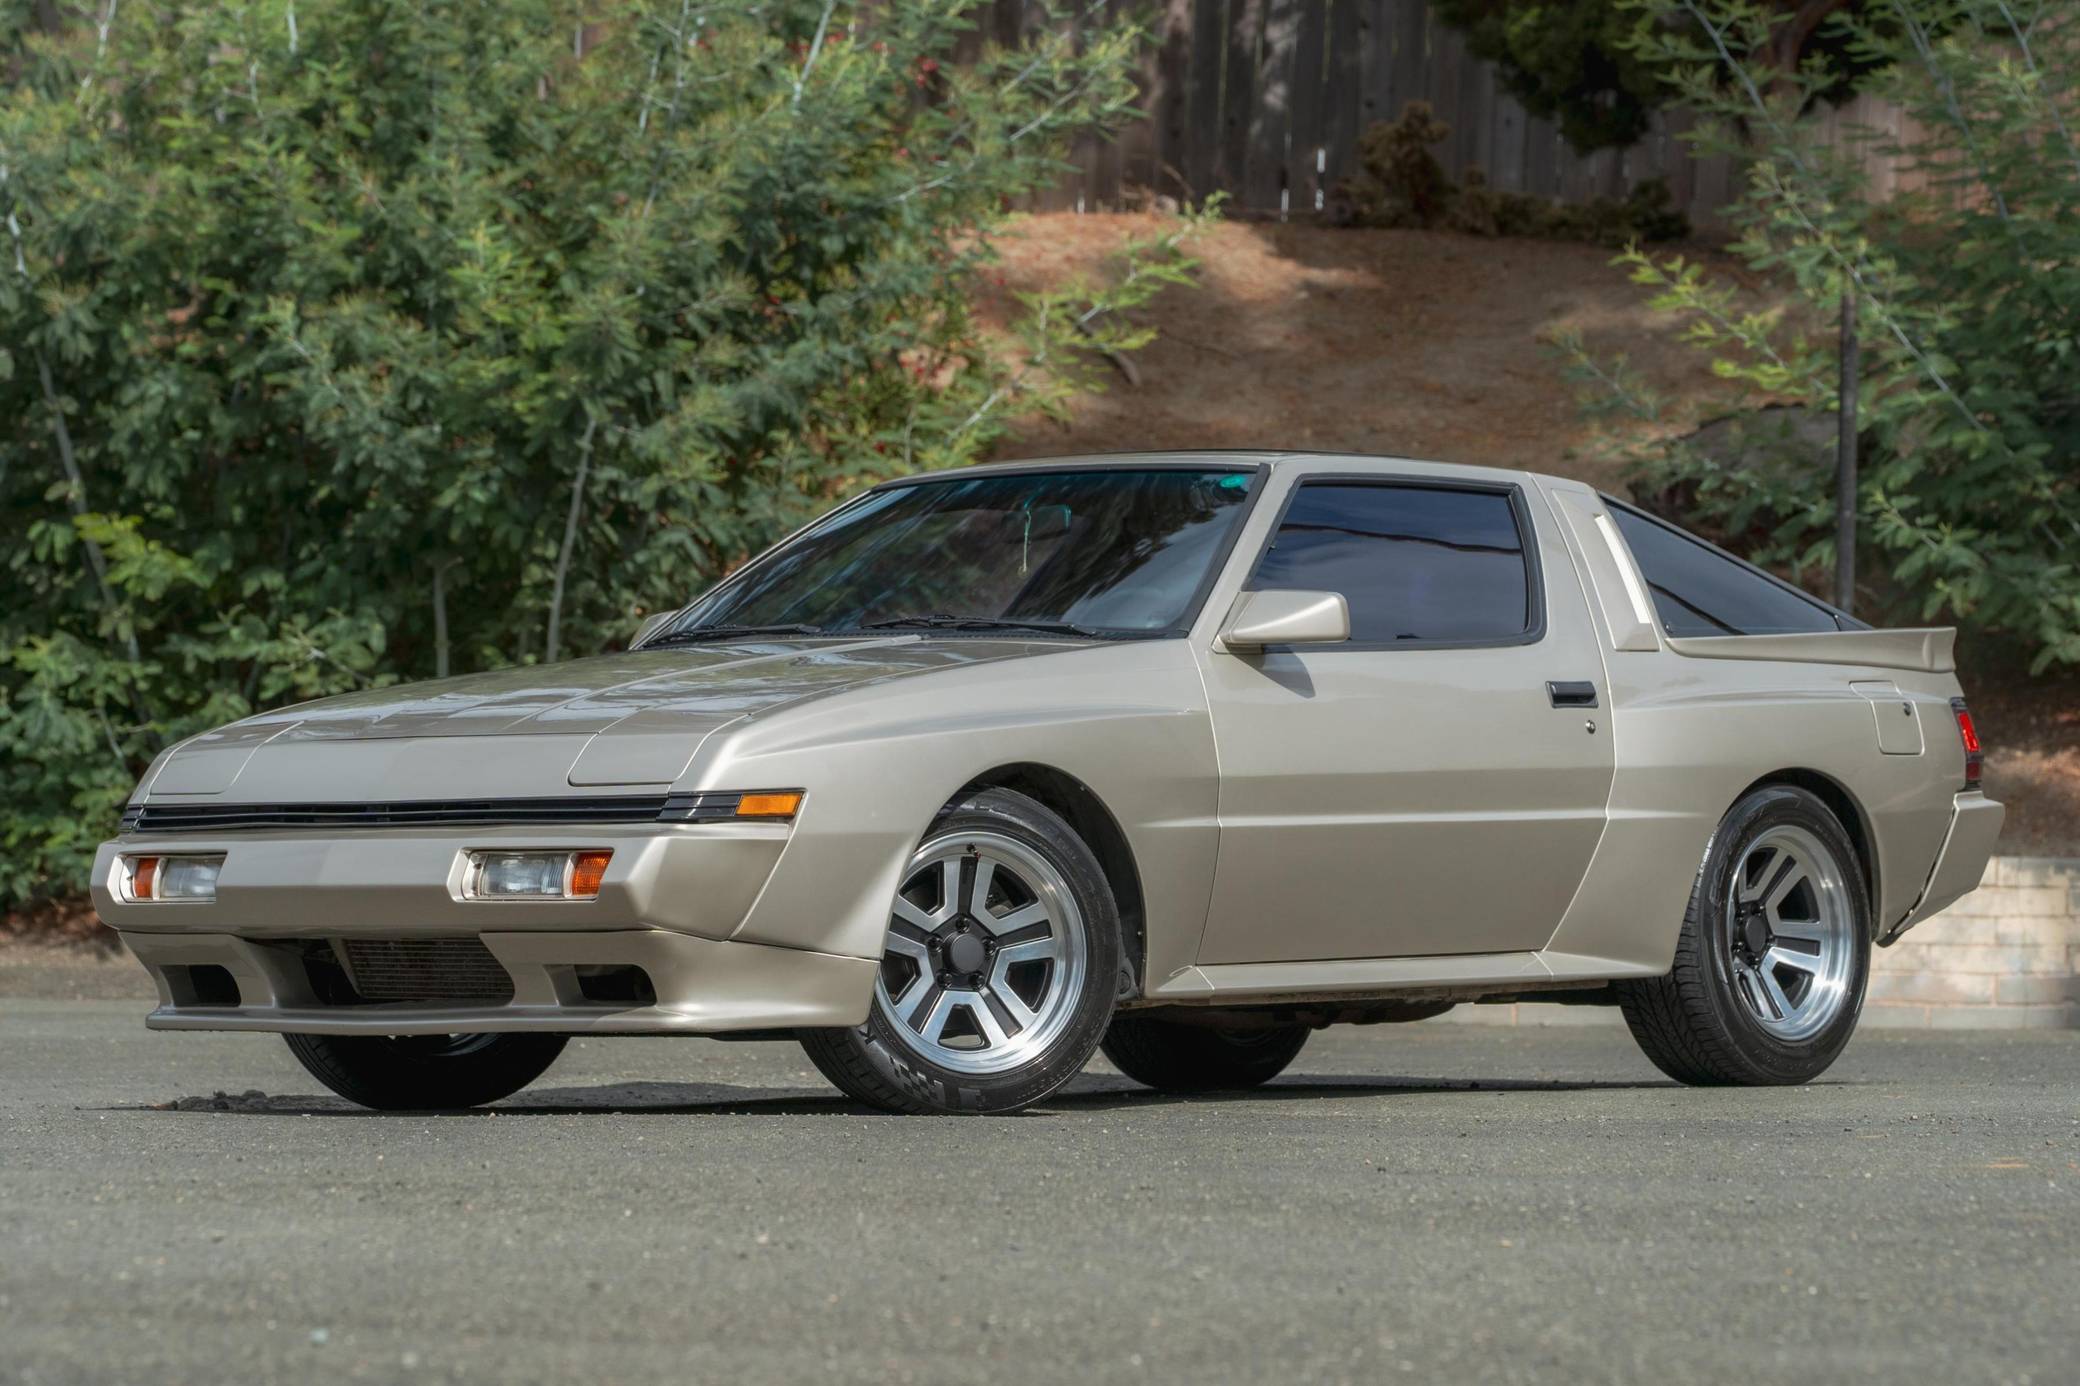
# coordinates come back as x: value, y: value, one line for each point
x: 1775, y: 951
x: 1172, y: 1056
x: 1002, y: 958
x: 425, y: 1072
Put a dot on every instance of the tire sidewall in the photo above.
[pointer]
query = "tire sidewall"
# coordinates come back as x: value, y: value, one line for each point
x: 931, y: 1086
x: 1774, y: 1059
x: 372, y: 1071
x: 1174, y: 1056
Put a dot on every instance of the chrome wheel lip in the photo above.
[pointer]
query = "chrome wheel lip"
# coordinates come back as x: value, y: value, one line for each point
x: 1042, y: 1020
x: 1789, y: 893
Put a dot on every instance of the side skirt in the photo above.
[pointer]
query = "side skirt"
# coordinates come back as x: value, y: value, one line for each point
x: 1462, y: 977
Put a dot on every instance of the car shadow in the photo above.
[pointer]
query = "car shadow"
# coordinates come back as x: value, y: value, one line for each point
x: 1094, y: 1092
x: 1300, y: 1087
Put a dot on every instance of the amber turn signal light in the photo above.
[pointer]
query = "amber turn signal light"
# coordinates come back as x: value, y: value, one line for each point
x: 772, y: 804
x: 588, y: 869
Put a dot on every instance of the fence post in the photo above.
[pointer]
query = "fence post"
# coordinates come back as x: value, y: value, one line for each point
x: 1845, y: 459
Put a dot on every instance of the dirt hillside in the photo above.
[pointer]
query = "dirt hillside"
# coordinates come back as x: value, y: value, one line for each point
x: 1414, y: 343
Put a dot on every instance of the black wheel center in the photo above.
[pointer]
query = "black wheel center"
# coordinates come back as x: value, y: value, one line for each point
x: 965, y: 953
x: 1755, y: 936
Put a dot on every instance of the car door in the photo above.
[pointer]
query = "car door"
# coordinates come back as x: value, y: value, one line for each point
x: 1438, y: 783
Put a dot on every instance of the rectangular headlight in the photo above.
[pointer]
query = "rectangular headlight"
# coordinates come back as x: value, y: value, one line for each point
x: 171, y: 878
x: 537, y: 875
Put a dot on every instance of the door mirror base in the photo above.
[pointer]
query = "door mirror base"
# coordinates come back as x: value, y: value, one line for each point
x: 1286, y: 618
x: 651, y: 625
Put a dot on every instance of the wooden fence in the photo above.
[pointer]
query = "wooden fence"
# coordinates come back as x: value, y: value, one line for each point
x: 1265, y: 100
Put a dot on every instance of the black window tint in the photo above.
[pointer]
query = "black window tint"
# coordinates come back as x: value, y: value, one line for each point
x: 1699, y: 591
x: 1416, y: 563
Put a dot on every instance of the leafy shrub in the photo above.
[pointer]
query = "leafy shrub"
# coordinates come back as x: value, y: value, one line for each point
x: 343, y: 342
x: 1967, y: 287
x: 1581, y: 66
x: 1401, y: 184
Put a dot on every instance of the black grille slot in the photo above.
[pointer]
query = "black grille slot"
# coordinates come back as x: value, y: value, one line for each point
x: 457, y: 971
x: 413, y: 813
x: 192, y: 818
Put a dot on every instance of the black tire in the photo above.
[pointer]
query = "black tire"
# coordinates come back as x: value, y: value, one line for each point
x: 1694, y: 1023
x: 873, y: 1064
x: 415, y: 1073
x: 1172, y: 1056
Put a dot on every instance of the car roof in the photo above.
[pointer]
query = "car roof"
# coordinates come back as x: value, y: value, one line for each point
x: 1283, y: 459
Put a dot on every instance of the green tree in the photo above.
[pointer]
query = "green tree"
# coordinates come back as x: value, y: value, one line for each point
x: 343, y: 342
x: 1580, y: 63
x: 1967, y: 288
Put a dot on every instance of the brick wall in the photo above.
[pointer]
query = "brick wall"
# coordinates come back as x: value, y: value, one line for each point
x: 2007, y: 956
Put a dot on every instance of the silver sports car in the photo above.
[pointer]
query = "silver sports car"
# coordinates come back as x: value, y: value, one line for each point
x: 1183, y: 755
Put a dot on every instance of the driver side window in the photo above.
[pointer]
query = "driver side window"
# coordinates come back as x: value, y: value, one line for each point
x: 1418, y: 564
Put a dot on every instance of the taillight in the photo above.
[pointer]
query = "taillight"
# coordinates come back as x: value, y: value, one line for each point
x: 1968, y: 734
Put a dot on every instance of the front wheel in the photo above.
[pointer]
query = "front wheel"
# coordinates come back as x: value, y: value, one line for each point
x: 409, y: 1073
x: 1001, y: 961
x: 1775, y: 950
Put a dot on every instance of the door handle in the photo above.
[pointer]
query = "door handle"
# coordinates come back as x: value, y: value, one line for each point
x: 1571, y: 694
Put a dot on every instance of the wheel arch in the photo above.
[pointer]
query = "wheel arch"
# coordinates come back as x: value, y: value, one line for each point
x: 1846, y: 808
x: 1086, y: 813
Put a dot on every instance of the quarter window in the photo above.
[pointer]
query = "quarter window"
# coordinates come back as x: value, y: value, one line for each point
x: 1417, y: 564
x: 1701, y: 591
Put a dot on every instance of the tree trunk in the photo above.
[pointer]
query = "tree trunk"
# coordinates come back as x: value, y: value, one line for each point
x: 570, y: 538
x: 440, y: 617
x: 76, y: 496
x: 1787, y: 41
x: 1845, y: 462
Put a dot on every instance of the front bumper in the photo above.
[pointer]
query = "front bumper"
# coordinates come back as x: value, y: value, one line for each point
x: 694, y: 879
x: 702, y: 986
x: 672, y: 902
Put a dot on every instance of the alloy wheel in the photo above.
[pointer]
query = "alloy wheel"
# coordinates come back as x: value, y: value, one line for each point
x: 985, y: 956
x: 1790, y: 933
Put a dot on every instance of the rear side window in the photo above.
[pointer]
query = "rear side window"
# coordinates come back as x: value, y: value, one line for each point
x: 1700, y: 591
x: 1418, y: 564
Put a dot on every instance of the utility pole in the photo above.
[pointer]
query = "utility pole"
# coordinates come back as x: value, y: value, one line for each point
x: 1845, y: 460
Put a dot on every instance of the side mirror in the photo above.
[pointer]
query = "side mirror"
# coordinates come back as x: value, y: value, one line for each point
x: 651, y: 625
x: 1287, y: 618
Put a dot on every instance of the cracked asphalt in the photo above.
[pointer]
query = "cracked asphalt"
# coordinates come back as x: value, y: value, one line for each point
x: 1433, y: 1201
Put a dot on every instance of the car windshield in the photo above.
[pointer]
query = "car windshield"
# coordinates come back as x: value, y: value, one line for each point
x: 1085, y: 552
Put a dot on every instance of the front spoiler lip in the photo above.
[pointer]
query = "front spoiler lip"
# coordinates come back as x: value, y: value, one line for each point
x: 703, y: 986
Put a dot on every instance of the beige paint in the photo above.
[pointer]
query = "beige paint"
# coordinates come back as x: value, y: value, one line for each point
x: 1304, y: 821
x: 1285, y: 618
x: 1369, y: 795
x: 703, y: 986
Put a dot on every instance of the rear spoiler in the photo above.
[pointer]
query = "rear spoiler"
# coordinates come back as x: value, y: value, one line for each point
x: 1931, y: 649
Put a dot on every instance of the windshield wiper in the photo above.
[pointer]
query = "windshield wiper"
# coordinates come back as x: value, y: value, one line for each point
x: 942, y: 621
x: 699, y: 634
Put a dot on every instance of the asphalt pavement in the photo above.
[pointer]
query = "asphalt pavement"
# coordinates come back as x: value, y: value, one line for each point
x: 1428, y: 1202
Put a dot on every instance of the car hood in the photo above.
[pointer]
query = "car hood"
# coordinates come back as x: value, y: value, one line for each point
x: 637, y: 717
